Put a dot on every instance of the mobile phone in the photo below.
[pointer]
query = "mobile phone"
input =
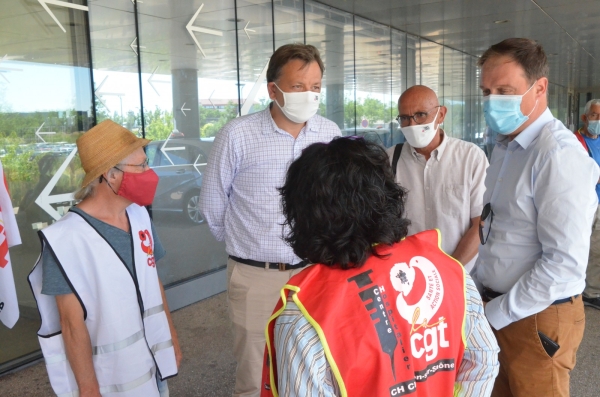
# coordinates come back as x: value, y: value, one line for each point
x: 550, y: 346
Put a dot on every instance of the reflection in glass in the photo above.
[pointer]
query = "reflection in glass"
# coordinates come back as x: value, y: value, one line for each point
x: 190, y: 90
x: 45, y: 104
x: 331, y: 32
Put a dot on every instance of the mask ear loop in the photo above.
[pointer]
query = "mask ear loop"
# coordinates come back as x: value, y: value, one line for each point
x: 435, y: 118
x: 280, y: 90
x: 536, y: 101
x: 106, y: 180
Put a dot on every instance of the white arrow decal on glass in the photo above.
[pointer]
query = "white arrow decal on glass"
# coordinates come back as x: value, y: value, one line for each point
x: 211, y: 102
x: 191, y: 29
x: 60, y: 4
x: 246, y: 30
x: 6, y: 69
x: 197, y: 164
x: 152, y: 80
x: 254, y: 91
x: 183, y: 108
x: 99, y: 94
x: 45, y: 200
x: 38, y: 133
x: 165, y: 149
x: 134, y: 46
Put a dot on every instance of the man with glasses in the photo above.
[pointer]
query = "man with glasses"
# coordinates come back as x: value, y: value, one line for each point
x: 588, y: 136
x: 106, y: 324
x: 443, y: 175
x: 536, y: 225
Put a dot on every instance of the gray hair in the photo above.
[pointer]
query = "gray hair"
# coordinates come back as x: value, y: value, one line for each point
x: 87, y: 191
x: 591, y: 103
x: 90, y: 189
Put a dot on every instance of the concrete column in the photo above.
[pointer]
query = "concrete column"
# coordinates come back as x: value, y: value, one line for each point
x: 335, y: 75
x: 185, y: 90
x: 184, y: 72
x: 411, y: 60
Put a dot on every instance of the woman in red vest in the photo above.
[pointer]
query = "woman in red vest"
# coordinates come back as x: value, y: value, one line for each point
x: 380, y: 314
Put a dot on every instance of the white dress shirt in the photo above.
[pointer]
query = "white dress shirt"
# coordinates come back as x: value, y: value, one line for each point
x: 239, y: 197
x: 541, y: 189
x: 444, y: 192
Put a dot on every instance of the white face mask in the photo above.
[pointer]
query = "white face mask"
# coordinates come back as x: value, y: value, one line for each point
x: 421, y: 135
x: 299, y: 106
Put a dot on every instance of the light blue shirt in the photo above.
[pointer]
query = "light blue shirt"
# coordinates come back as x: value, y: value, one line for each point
x: 303, y: 370
x: 246, y: 166
x: 541, y: 187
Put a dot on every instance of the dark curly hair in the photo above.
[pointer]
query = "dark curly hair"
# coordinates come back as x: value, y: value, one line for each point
x: 340, y: 200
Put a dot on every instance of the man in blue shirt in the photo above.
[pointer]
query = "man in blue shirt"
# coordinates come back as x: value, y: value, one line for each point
x: 588, y: 136
x: 539, y: 206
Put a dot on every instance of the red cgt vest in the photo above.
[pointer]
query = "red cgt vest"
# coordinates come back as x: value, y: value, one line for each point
x: 392, y: 327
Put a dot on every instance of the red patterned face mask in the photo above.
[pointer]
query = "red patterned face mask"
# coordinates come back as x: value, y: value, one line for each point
x: 139, y: 188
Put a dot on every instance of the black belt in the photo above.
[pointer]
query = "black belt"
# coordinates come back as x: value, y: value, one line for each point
x: 489, y: 294
x: 270, y: 265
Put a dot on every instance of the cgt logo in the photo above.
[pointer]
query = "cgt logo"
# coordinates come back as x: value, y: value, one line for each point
x: 421, y: 292
x: 418, y: 282
x: 147, y: 246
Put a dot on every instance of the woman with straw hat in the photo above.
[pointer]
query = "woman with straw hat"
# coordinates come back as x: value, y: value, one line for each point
x: 106, y: 326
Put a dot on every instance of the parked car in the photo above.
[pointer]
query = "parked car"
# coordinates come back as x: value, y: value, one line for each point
x: 180, y: 165
x: 386, y: 136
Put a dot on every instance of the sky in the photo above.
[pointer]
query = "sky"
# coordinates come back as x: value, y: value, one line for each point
x: 47, y: 87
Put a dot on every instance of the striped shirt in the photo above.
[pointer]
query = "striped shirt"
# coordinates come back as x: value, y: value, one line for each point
x: 303, y: 371
x: 247, y: 164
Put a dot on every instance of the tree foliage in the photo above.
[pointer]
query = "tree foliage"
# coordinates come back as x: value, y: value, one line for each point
x: 370, y: 109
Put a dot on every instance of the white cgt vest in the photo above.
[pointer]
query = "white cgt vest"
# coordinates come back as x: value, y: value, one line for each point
x: 123, y: 313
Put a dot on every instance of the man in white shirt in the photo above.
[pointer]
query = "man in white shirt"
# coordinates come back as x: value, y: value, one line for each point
x: 443, y: 175
x: 536, y: 224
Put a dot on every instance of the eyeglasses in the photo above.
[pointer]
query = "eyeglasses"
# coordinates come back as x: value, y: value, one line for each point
x: 485, y: 214
x: 143, y: 165
x: 419, y: 117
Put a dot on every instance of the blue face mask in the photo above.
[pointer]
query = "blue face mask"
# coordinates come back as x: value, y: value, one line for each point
x: 503, y: 114
x: 594, y: 127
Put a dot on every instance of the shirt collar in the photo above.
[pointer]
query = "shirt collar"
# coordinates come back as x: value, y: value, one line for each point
x: 529, y: 134
x: 268, y: 121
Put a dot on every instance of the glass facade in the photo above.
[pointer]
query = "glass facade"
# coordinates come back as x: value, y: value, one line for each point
x: 176, y: 72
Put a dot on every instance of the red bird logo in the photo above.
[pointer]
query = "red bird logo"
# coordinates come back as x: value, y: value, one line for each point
x: 3, y: 247
x: 147, y: 244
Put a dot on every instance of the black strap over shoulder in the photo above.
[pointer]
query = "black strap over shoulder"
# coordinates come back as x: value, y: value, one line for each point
x: 396, y: 157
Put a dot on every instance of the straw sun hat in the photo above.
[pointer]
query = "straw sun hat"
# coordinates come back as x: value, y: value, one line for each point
x: 104, y: 146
